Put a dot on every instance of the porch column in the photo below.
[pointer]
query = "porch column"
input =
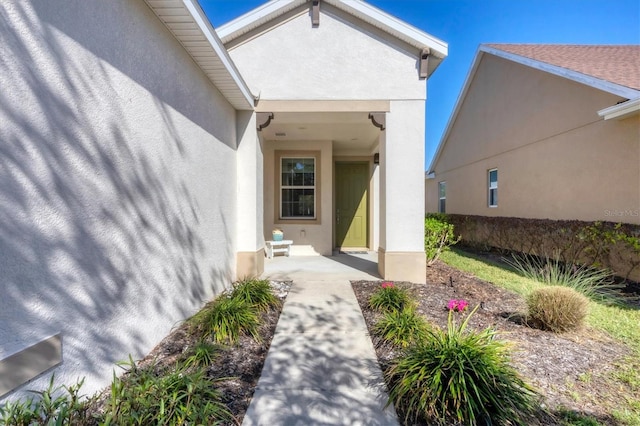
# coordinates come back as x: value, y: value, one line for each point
x: 401, y: 255
x: 250, y: 248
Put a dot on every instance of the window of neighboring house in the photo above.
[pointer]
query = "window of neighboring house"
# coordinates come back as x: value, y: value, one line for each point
x: 493, y: 188
x: 297, y: 188
x: 442, y: 197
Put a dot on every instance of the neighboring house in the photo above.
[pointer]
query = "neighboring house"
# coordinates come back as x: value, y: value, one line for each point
x: 546, y: 132
x: 144, y: 160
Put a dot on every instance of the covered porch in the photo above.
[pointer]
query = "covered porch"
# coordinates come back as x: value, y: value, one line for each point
x: 333, y: 180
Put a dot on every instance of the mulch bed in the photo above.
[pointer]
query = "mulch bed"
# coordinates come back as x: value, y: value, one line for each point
x: 235, y: 369
x: 569, y: 370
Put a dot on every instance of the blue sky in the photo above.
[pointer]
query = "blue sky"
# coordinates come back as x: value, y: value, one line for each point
x: 465, y: 24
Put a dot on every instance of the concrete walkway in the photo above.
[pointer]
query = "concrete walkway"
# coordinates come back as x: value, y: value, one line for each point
x: 321, y: 368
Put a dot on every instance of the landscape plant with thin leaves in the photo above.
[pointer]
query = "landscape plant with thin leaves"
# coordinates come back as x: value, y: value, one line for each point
x: 596, y: 284
x: 256, y: 292
x: 390, y: 297
x: 142, y: 397
x: 401, y: 328
x: 459, y: 377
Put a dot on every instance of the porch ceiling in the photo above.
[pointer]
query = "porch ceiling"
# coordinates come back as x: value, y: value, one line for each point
x: 349, y: 131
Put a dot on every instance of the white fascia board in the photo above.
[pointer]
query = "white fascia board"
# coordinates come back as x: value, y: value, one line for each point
x: 207, y: 30
x: 578, y: 77
x: 358, y: 8
x: 393, y: 25
x: 452, y: 118
x: 255, y: 17
x: 622, y: 110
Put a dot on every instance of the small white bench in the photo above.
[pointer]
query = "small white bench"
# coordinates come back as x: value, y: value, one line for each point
x: 283, y: 246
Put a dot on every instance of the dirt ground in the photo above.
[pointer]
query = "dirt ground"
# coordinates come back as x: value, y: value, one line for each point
x: 569, y: 370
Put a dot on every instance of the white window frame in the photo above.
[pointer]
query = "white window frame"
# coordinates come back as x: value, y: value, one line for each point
x: 314, y: 187
x: 492, y: 193
x: 442, y: 188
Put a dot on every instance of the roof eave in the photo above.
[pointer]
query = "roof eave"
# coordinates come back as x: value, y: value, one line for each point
x: 621, y: 110
x: 211, y: 56
x: 597, y: 83
x: 617, y: 111
x: 394, y: 26
x: 358, y: 8
x: 256, y: 17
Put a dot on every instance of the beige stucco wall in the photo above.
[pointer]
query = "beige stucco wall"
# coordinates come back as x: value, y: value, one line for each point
x: 333, y: 61
x: 556, y: 158
x: 117, y: 183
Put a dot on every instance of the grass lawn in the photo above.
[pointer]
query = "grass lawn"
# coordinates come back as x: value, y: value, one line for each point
x: 621, y: 323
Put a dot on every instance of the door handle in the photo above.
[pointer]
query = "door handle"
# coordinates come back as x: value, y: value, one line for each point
x: 338, y: 216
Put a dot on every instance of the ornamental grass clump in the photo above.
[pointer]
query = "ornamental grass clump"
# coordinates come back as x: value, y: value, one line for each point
x: 596, y: 284
x: 390, y: 297
x: 225, y: 319
x: 459, y: 377
x: 178, y: 397
x: 257, y: 293
x: 401, y: 328
x: 557, y: 308
x: 201, y: 354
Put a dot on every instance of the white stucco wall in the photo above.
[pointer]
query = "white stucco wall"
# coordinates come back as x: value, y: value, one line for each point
x: 337, y: 60
x: 402, y: 171
x: 117, y: 183
x: 250, y: 187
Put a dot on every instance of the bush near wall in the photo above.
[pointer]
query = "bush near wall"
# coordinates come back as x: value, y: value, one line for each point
x: 599, y: 244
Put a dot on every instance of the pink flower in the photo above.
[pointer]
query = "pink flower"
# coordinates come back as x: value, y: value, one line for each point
x: 457, y: 305
x: 387, y: 284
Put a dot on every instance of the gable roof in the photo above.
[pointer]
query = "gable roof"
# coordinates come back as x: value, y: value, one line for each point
x: 387, y: 23
x: 611, y: 68
x: 190, y: 26
x: 618, y: 64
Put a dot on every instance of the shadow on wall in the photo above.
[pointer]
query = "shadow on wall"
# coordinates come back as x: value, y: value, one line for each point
x: 110, y: 231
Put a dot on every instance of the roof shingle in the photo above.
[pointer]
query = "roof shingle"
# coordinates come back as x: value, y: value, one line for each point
x: 619, y: 64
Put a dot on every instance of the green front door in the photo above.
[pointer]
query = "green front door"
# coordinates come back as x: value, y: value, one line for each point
x: 352, y: 184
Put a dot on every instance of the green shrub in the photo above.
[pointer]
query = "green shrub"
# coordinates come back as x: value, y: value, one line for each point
x: 257, y: 293
x: 225, y: 319
x: 54, y: 406
x: 401, y: 328
x: 557, y: 308
x: 201, y: 354
x: 459, y: 377
x: 390, y: 297
x: 142, y: 397
x: 596, y: 284
x: 229, y: 318
x: 438, y: 235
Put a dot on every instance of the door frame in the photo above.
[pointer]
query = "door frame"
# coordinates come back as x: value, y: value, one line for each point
x: 361, y: 161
